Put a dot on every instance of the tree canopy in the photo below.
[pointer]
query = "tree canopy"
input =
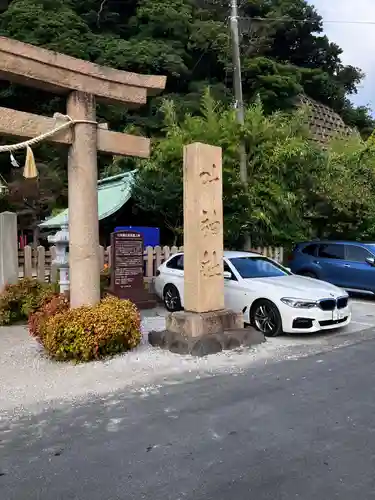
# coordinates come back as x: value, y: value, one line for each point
x: 296, y: 190
x: 284, y: 53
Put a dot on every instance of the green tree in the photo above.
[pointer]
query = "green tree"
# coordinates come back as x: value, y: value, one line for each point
x: 281, y: 160
x: 284, y: 53
x: 297, y: 190
x: 342, y: 205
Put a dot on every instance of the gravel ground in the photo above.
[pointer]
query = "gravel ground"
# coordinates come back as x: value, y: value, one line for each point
x: 30, y: 381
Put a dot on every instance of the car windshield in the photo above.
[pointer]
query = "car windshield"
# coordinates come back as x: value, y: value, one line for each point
x: 258, y: 267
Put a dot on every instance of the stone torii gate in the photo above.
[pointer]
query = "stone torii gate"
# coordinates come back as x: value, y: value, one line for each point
x: 82, y: 82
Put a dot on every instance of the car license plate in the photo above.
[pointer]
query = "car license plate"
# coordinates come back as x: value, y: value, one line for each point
x: 337, y: 315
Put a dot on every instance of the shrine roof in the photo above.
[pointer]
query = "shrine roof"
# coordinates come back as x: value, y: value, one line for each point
x: 113, y: 193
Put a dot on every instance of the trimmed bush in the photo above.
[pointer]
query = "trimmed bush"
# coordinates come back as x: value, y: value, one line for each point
x: 56, y: 304
x: 18, y: 301
x: 88, y: 333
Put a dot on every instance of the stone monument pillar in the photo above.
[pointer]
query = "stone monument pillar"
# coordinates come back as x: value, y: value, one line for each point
x: 8, y: 249
x: 205, y: 326
x: 203, y: 229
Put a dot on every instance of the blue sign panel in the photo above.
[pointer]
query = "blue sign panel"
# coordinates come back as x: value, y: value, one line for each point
x: 151, y: 235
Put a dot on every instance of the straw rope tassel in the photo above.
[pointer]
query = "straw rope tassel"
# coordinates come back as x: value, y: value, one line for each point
x: 30, y: 171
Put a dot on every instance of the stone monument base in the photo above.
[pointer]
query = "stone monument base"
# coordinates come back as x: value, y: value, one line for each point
x: 192, y: 324
x: 201, y: 334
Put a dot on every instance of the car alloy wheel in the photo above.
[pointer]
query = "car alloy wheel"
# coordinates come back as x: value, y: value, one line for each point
x: 172, y: 299
x: 266, y: 318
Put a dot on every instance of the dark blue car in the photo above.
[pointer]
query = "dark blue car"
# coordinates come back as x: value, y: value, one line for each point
x: 347, y: 264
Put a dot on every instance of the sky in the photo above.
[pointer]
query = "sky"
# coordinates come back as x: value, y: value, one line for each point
x: 356, y: 40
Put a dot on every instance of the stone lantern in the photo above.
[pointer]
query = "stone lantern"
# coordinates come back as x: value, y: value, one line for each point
x: 61, y: 242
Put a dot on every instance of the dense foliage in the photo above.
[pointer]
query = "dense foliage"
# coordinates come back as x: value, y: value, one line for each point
x: 284, y: 53
x: 56, y: 304
x: 83, y: 334
x: 296, y: 189
x: 87, y: 333
x: 283, y: 50
x: 20, y: 300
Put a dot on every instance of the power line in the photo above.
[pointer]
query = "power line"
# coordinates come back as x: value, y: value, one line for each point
x: 286, y: 18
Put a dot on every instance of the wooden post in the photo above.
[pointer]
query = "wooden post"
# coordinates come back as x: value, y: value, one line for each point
x: 166, y: 252
x: 28, y: 262
x: 83, y: 203
x: 150, y: 262
x: 41, y: 264
x: 158, y: 257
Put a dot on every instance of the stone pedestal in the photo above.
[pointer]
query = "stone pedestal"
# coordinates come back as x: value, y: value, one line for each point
x: 194, y: 325
x: 181, y: 342
x: 201, y: 334
x: 8, y: 249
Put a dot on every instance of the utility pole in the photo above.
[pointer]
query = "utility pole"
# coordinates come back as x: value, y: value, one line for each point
x: 237, y: 78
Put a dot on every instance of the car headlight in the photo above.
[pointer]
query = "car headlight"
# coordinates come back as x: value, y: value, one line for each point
x: 299, y: 303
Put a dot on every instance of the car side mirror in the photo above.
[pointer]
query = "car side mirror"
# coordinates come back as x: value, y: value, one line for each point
x: 227, y: 275
x: 371, y: 261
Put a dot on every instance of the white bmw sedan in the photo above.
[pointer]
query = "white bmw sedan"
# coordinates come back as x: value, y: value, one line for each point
x: 271, y: 298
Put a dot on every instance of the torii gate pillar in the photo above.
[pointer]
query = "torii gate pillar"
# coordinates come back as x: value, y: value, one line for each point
x: 81, y: 82
x: 84, y: 259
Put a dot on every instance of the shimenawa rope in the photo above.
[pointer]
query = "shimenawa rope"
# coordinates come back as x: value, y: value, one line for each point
x: 30, y: 170
x: 31, y: 142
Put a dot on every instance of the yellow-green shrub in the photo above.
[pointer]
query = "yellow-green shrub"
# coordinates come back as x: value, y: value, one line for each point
x: 88, y: 333
x: 55, y: 304
x: 20, y: 300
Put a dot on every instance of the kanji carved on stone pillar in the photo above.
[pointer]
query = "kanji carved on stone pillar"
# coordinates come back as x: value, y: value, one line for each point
x: 203, y: 229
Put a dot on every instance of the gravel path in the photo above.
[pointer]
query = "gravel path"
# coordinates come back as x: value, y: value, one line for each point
x: 30, y: 381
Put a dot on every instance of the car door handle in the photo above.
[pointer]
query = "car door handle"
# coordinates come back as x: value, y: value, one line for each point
x: 346, y: 265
